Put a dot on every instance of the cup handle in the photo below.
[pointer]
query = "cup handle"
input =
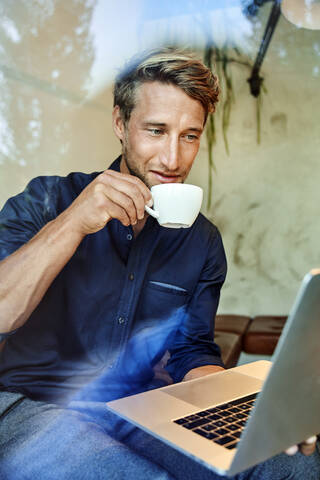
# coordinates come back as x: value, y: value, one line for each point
x: 151, y: 212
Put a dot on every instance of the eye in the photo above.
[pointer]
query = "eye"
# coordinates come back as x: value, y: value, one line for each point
x: 155, y: 131
x: 191, y: 138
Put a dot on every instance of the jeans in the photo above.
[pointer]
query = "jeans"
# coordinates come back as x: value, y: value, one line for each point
x: 87, y: 442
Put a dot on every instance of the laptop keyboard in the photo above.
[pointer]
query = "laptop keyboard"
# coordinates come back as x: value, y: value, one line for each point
x: 222, y: 424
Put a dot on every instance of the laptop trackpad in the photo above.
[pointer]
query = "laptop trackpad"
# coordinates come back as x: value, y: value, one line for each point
x: 213, y: 389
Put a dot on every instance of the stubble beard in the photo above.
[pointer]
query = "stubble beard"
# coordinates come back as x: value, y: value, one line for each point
x: 132, y: 168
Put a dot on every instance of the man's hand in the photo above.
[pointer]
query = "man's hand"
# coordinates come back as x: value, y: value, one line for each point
x: 306, y: 448
x: 202, y: 371
x: 110, y: 195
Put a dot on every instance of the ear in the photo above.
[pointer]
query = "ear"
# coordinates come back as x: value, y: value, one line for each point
x: 117, y: 123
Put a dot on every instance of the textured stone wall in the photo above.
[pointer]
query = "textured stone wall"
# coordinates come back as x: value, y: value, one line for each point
x: 266, y: 197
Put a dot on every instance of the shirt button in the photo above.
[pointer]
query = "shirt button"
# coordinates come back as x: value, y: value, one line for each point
x: 129, y: 236
x: 121, y: 320
x: 131, y: 276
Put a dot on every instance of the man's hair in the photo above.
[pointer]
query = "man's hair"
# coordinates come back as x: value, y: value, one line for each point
x: 171, y: 66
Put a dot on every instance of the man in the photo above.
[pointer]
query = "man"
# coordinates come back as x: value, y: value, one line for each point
x: 86, y: 274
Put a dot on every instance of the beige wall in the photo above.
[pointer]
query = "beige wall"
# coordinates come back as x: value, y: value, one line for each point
x: 266, y: 197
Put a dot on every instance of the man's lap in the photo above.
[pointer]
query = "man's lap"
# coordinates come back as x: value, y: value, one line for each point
x: 86, y: 441
x: 44, y: 441
x: 280, y: 467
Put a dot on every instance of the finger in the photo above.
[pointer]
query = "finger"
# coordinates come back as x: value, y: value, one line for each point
x: 144, y: 190
x: 123, y: 201
x: 292, y: 450
x: 115, y: 211
x: 308, y: 446
x: 131, y: 188
x: 310, y: 440
x: 136, y: 181
x: 306, y: 449
x: 107, y: 206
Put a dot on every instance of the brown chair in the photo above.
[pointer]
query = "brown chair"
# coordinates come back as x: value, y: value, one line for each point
x: 232, y: 323
x: 263, y: 334
x: 230, y: 345
x: 229, y: 332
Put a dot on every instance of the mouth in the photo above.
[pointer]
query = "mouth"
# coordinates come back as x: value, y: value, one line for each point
x: 165, y: 178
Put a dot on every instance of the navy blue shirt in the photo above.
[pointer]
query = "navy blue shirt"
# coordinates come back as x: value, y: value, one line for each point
x: 114, y: 289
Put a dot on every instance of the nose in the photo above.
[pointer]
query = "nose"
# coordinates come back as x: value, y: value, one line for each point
x: 170, y: 154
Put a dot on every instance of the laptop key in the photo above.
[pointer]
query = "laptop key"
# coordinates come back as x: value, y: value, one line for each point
x: 231, y: 445
x: 208, y: 435
x: 224, y: 440
x: 209, y: 427
x: 237, y: 434
x: 203, y: 414
x: 224, y: 406
x: 244, y: 399
x: 190, y: 418
x: 180, y: 421
x: 232, y: 427
x: 187, y: 425
x: 219, y: 423
x: 225, y: 413
x: 241, y: 423
x: 212, y: 410
x: 196, y: 423
x: 214, y: 417
x: 241, y: 415
x: 229, y: 419
x: 234, y: 410
x: 221, y: 431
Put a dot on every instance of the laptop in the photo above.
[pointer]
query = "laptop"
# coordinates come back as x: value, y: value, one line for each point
x: 237, y: 418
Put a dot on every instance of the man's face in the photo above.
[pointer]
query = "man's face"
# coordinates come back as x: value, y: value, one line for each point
x: 162, y: 137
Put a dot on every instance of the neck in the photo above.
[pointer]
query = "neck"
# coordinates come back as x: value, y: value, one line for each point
x: 123, y: 165
x: 141, y: 223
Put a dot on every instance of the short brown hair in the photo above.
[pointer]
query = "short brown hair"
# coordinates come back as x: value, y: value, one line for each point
x: 167, y: 65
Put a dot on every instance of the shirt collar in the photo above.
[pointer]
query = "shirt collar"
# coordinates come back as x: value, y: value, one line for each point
x: 116, y: 164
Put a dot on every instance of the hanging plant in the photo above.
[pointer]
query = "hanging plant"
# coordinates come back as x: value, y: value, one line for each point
x: 218, y: 57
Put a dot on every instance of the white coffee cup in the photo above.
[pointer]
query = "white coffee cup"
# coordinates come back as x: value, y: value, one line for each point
x: 175, y: 205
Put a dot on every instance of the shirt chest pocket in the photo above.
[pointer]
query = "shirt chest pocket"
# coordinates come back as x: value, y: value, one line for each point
x: 160, y: 301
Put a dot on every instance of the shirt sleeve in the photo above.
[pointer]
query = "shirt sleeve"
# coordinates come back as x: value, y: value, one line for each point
x: 25, y: 214
x: 193, y: 345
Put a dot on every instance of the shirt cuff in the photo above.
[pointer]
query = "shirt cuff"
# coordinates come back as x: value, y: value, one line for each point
x: 178, y: 372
